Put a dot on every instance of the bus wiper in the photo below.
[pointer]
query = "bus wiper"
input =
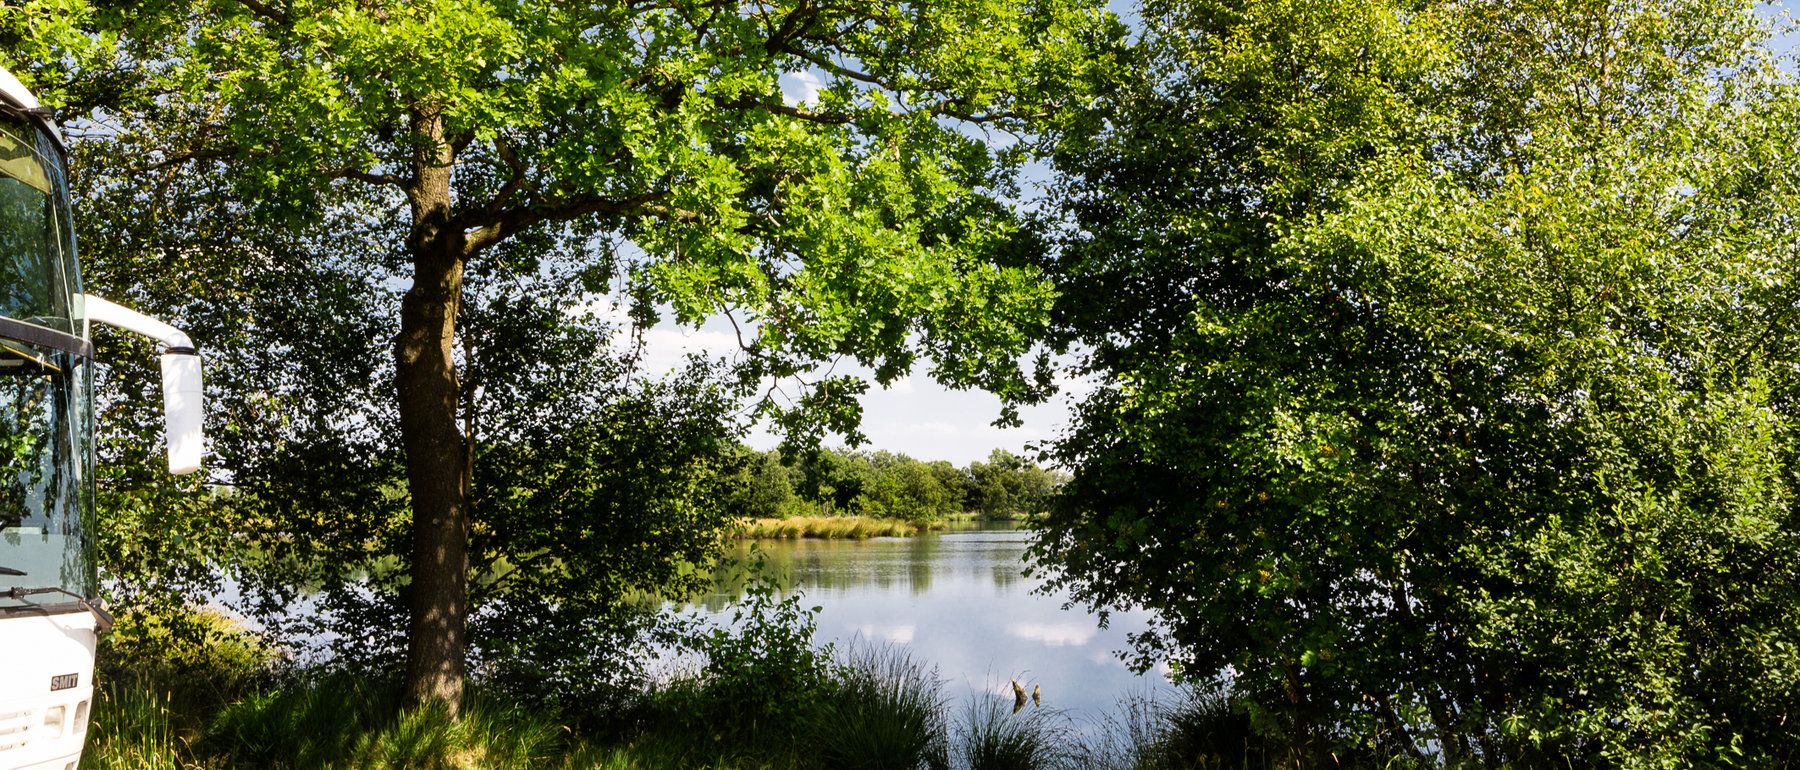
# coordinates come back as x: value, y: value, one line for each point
x: 10, y: 572
x: 103, y: 620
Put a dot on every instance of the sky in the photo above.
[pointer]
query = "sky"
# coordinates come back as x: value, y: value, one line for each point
x: 918, y: 417
x: 1784, y: 43
x: 915, y: 416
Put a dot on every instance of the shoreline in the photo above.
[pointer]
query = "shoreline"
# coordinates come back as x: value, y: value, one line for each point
x: 847, y: 527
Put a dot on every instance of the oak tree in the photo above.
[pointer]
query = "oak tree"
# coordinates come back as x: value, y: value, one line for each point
x: 652, y: 141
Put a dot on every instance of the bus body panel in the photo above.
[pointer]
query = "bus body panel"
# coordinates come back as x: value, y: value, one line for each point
x: 46, y: 689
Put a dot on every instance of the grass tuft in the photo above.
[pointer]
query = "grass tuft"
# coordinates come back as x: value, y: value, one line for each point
x: 995, y: 737
x: 134, y: 729
x: 887, y: 713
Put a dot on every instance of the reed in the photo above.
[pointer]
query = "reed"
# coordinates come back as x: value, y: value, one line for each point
x: 827, y: 527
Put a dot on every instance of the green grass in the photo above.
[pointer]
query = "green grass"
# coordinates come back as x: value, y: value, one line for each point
x: 1205, y: 732
x: 134, y: 729
x: 887, y: 713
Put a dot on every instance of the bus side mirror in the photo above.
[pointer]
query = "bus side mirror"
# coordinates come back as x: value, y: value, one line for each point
x: 183, y: 406
x: 183, y: 403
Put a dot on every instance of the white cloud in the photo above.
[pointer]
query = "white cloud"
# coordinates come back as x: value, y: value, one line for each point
x: 685, y: 340
x: 902, y: 634
x: 933, y: 428
x: 914, y: 415
x: 799, y: 88
x: 1073, y: 388
x: 1054, y: 634
x: 667, y: 344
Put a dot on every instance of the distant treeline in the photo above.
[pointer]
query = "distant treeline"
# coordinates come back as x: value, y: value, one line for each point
x: 835, y: 482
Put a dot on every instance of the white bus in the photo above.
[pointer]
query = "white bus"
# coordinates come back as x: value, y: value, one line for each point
x: 50, y: 614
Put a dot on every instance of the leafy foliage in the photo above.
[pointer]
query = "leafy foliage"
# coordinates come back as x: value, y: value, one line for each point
x: 763, y: 660
x: 1446, y: 373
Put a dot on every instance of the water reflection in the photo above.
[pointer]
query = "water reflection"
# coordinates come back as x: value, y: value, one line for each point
x: 961, y: 602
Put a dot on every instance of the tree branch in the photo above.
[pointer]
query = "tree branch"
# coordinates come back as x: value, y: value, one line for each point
x: 947, y: 107
x: 520, y: 175
x: 180, y: 158
x: 351, y: 173
x: 341, y: 172
x: 265, y: 11
x: 783, y: 109
x: 793, y: 27
x: 484, y: 231
x: 835, y: 68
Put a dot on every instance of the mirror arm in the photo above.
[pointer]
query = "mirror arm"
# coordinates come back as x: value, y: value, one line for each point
x: 106, y: 311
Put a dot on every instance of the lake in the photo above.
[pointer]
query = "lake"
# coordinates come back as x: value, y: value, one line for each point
x: 959, y: 601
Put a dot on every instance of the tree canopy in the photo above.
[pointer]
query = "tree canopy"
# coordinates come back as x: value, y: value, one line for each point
x: 1446, y: 373
x: 549, y: 152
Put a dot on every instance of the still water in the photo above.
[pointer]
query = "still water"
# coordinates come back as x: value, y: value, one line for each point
x: 960, y: 601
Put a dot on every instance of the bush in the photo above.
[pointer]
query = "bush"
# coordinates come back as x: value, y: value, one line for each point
x: 212, y: 657
x: 762, y: 669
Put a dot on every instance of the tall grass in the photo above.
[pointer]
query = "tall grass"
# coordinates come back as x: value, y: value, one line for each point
x: 1203, y: 731
x: 827, y: 527
x: 133, y: 728
x: 887, y: 713
x: 879, y: 710
x: 337, y: 722
x: 994, y: 736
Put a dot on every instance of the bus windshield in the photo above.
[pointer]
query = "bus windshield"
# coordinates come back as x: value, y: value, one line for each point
x: 46, y: 486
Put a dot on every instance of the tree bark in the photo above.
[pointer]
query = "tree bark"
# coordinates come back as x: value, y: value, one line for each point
x: 436, y: 459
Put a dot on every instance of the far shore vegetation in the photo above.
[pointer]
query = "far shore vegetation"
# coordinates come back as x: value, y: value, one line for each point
x: 828, y: 528
x: 842, y: 493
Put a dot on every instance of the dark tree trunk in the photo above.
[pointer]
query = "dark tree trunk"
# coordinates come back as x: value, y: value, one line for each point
x: 436, y: 460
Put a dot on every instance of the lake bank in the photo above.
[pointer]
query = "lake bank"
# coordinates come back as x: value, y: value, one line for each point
x: 854, y: 527
x: 867, y: 712
x: 909, y: 657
